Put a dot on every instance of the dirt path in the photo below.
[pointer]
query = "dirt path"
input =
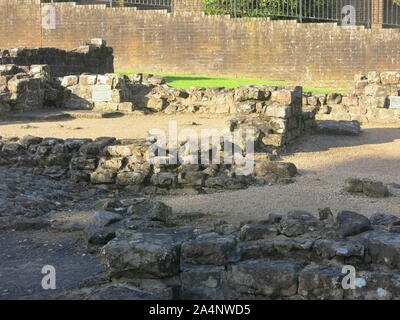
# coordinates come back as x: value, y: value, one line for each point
x: 124, y: 127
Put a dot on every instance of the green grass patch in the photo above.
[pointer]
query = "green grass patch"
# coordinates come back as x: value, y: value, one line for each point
x: 183, y: 81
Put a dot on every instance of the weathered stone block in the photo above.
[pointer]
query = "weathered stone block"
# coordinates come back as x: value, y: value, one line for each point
x: 244, y: 93
x: 375, y: 189
x: 284, y: 97
x: 333, y: 248
x: 130, y: 178
x: 69, y: 81
x: 87, y: 80
x: 286, y: 169
x: 125, y: 150
x: 321, y: 283
x: 105, y: 106
x: 390, y: 78
x: 104, y: 218
x: 264, y: 277
x: 152, y: 253
x: 103, y: 177
x: 250, y: 232
x: 192, y: 178
x: 164, y: 179
x: 352, y: 223
x: 299, y: 222
x: 153, y: 211
x: 113, y: 164
x: 210, y: 249
x: 384, y: 248
x: 203, y: 282
x: 81, y: 163
x: 224, y: 183
x: 338, y: 127
x: 375, y: 285
x: 126, y: 107
x: 278, y: 111
x: 276, y: 140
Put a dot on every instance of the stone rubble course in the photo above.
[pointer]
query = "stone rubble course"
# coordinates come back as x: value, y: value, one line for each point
x: 126, y: 164
x: 259, y: 260
x: 274, y: 113
x: 28, y: 77
x: 368, y: 103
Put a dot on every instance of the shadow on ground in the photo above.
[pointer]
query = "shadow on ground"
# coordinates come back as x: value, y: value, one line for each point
x: 322, y: 142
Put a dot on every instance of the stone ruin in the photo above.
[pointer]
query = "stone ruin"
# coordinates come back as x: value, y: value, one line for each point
x: 150, y: 252
x: 369, y: 103
x: 126, y: 164
x: 274, y: 113
x: 93, y: 57
x: 28, y: 76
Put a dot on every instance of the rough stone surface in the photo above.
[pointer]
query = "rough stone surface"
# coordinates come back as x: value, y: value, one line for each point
x: 210, y: 249
x: 298, y: 222
x: 147, y: 254
x: 351, y: 223
x: 251, y: 232
x: 322, y: 283
x: 264, y: 277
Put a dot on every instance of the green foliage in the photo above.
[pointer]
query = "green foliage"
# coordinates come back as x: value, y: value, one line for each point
x: 48, y: 1
x: 322, y: 9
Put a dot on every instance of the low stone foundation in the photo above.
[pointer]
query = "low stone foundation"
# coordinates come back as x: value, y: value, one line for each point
x: 93, y: 57
x: 134, y: 165
x: 28, y: 76
x: 295, y: 256
x: 369, y: 103
x: 278, y: 108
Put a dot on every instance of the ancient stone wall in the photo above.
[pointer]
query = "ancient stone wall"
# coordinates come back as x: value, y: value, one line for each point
x: 369, y: 102
x: 188, y: 43
x: 278, y: 108
x: 295, y: 256
x: 139, y: 166
x: 28, y: 76
x: 94, y: 57
x: 23, y: 88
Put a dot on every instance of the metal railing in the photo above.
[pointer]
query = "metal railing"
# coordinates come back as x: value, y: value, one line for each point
x: 142, y: 4
x: 301, y: 10
x: 358, y: 12
x: 390, y: 16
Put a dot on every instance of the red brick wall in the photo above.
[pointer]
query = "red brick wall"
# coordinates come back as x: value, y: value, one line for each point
x: 311, y: 54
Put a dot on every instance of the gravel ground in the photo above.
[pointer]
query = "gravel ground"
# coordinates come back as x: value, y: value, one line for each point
x: 24, y: 253
x: 125, y: 127
x: 324, y: 163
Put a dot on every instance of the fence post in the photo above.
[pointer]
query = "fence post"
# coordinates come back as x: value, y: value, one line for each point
x: 234, y: 9
x: 301, y: 11
x: 377, y: 14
